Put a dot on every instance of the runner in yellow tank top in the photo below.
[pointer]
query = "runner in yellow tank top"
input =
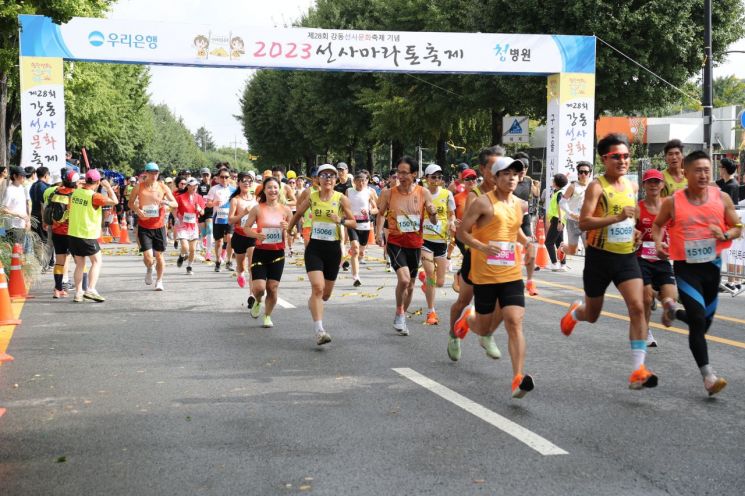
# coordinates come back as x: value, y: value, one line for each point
x: 607, y: 212
x: 673, y: 176
x: 491, y: 227
x: 331, y: 211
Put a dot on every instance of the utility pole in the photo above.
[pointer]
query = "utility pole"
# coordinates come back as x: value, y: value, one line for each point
x: 235, y: 149
x: 708, y: 96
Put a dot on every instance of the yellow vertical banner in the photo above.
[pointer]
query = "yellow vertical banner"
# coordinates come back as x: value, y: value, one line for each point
x: 43, y: 113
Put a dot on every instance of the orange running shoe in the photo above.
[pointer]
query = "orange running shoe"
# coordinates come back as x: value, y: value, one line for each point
x: 530, y: 287
x: 432, y: 318
x: 522, y: 385
x: 460, y: 329
x: 714, y: 384
x: 641, y: 378
x: 567, y: 321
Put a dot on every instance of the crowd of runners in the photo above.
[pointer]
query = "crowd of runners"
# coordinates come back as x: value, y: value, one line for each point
x: 663, y: 248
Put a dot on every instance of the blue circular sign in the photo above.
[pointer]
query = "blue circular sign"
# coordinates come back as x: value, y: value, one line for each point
x: 742, y: 119
x: 96, y: 38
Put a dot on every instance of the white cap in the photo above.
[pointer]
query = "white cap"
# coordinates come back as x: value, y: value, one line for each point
x: 251, y: 173
x: 326, y: 167
x: 503, y: 163
x: 431, y: 169
x: 192, y: 181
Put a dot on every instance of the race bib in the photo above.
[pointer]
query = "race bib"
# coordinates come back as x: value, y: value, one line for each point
x: 190, y: 218
x: 701, y: 250
x: 407, y: 224
x: 649, y: 251
x: 244, y: 219
x: 621, y: 232
x: 273, y: 235
x: 151, y: 211
x: 324, y: 231
x: 221, y: 215
x: 506, y: 255
x: 430, y: 228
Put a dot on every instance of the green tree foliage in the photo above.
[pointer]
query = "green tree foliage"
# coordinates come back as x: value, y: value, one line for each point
x: 662, y: 35
x: 59, y: 10
x: 203, y: 139
x: 171, y: 144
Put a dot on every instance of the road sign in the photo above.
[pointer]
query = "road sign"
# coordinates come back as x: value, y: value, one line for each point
x: 515, y: 129
x: 741, y: 118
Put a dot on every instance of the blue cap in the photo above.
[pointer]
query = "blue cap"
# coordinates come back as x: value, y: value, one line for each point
x: 314, y: 172
x: 151, y: 166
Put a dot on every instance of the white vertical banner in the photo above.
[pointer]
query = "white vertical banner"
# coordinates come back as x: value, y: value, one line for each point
x: 43, y: 113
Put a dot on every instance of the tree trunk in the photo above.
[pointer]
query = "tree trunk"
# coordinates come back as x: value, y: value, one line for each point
x: 398, y: 151
x: 5, y: 139
x: 370, y: 160
x: 309, y: 163
x: 441, y: 154
x: 496, y: 127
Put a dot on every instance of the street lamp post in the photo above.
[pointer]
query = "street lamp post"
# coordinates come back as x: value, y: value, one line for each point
x: 707, y: 97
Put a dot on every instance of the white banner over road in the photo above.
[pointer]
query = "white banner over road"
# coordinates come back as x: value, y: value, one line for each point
x: 108, y: 40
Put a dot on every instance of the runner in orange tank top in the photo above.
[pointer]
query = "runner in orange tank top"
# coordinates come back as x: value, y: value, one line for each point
x: 703, y: 221
x: 491, y: 228
x: 402, y: 209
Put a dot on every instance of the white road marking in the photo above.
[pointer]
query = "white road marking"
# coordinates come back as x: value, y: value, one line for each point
x: 284, y: 303
x: 517, y: 431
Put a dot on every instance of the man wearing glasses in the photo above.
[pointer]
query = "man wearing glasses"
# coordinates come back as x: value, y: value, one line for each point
x: 608, y: 216
x: 402, y: 209
x: 219, y: 199
x: 571, y: 203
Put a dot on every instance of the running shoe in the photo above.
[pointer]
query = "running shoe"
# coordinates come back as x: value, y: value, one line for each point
x: 229, y: 266
x: 159, y: 285
x: 567, y: 321
x: 492, y: 351
x: 255, y: 309
x: 250, y: 301
x: 63, y: 294
x: 399, y: 323
x: 651, y: 341
x: 180, y: 261
x: 432, y: 318
x: 175, y: 244
x: 149, y: 276
x: 454, y: 349
x: 57, y: 294
x: 357, y: 283
x: 217, y: 266
x: 267, y: 322
x: 530, y: 287
x: 642, y: 378
x: 460, y: 329
x: 714, y: 384
x: 322, y: 337
x: 78, y: 298
x: 241, y: 280
x: 345, y: 266
x: 668, y: 315
x: 93, y: 295
x: 207, y: 257
x: 522, y: 385
x: 654, y: 304
x: 189, y: 271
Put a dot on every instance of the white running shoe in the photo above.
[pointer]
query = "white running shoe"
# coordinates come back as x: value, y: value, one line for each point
x: 322, y: 337
x: 651, y: 341
x: 399, y: 323
x: 149, y: 276
x: 159, y: 285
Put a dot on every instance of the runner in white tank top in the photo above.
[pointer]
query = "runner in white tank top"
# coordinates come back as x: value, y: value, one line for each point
x: 362, y: 199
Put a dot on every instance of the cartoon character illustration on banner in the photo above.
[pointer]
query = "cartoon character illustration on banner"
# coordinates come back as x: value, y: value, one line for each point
x: 201, y: 43
x: 237, y: 47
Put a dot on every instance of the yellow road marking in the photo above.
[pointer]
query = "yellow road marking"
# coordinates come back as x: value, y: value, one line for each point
x: 619, y: 297
x: 677, y: 330
x: 6, y: 331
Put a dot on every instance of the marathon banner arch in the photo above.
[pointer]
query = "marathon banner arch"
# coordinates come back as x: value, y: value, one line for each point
x: 197, y: 45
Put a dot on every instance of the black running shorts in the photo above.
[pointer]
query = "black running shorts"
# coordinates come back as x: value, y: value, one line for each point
x: 486, y: 296
x: 152, y: 239
x: 404, y: 257
x: 241, y: 243
x: 603, y: 267
x: 656, y: 273
x: 267, y: 264
x: 324, y: 256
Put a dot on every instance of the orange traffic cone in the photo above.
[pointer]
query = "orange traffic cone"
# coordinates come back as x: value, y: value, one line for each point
x: 115, y: 233
x: 6, y: 312
x: 17, y: 285
x: 124, y: 232
x: 542, y: 259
